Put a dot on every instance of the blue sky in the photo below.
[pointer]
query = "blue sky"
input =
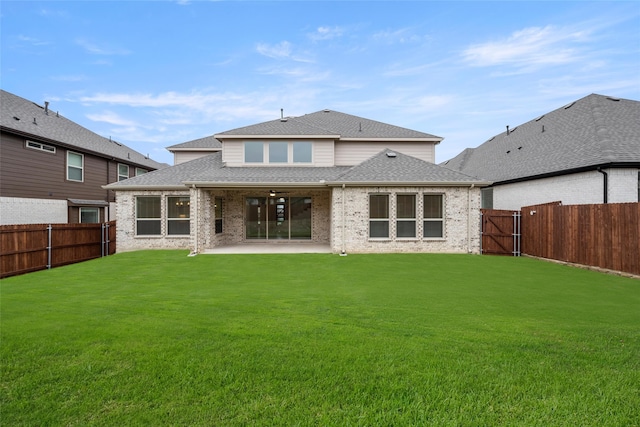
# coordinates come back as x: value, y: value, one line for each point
x: 152, y: 74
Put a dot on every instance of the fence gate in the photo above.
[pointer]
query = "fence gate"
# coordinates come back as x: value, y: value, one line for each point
x: 501, y: 232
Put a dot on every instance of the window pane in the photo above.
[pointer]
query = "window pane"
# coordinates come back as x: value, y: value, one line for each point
x: 178, y: 226
x: 178, y: 207
x: 148, y: 227
x: 74, y: 174
x: 218, y: 214
x: 148, y: 207
x: 300, y: 208
x: 140, y: 171
x: 406, y: 229
x: 433, y: 206
x: 378, y: 206
x: 278, y: 152
x: 487, y: 198
x: 433, y: 229
x: 89, y: 215
x: 406, y: 206
x: 378, y: 229
x: 253, y: 152
x: 74, y: 159
x: 302, y: 152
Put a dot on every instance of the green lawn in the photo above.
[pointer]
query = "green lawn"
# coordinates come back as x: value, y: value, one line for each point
x: 159, y: 338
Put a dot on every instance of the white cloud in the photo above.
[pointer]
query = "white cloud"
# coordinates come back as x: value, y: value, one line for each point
x: 401, y: 36
x: 282, y: 50
x: 529, y: 48
x: 33, y: 41
x: 277, y: 51
x: 326, y: 33
x: 111, y: 118
x: 100, y: 50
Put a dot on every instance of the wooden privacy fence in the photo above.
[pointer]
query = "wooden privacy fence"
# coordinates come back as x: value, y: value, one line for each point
x: 500, y: 232
x: 32, y: 247
x: 605, y: 236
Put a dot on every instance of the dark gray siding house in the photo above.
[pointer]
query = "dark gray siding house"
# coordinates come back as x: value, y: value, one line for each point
x: 52, y: 170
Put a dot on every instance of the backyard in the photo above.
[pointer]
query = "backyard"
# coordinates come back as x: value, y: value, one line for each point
x: 159, y: 338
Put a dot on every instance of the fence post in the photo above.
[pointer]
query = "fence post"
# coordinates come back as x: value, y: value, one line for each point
x: 49, y: 229
x: 481, y: 231
x: 516, y: 233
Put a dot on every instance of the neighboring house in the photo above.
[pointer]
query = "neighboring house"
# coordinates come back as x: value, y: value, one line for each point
x: 331, y: 178
x: 52, y: 170
x: 586, y: 152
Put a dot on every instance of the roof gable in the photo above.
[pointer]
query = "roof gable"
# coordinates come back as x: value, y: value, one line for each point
x: 389, y: 166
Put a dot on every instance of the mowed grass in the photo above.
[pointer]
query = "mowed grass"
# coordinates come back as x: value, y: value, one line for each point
x: 159, y: 338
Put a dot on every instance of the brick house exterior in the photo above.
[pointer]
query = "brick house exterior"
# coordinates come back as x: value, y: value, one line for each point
x: 353, y: 184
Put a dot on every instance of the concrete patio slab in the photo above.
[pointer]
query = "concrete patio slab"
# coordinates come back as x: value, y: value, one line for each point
x: 270, y: 248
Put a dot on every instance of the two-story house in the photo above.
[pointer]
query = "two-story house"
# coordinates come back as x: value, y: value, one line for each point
x: 52, y: 170
x: 353, y: 184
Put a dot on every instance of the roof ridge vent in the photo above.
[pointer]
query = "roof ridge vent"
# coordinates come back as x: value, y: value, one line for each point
x: 610, y: 98
x: 391, y: 154
x: 566, y: 107
x: 540, y: 118
x: 326, y: 110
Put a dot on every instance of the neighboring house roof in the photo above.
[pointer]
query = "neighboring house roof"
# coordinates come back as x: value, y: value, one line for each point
x: 595, y: 131
x: 27, y: 118
x: 208, y: 143
x: 329, y: 124
x: 381, y: 169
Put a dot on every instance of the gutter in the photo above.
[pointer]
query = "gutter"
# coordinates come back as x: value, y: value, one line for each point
x: 410, y: 184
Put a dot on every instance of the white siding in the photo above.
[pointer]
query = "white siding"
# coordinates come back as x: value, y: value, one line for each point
x: 575, y: 189
x: 232, y: 152
x: 352, y: 153
x: 18, y: 210
x: 185, y: 156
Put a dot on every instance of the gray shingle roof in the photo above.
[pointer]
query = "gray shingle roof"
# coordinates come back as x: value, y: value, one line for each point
x: 206, y: 143
x: 327, y: 123
x: 18, y: 114
x: 393, y: 167
x: 593, y: 131
x: 380, y: 169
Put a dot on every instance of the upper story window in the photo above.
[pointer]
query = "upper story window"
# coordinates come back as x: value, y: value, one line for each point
x: 75, y: 166
x: 123, y: 172
x: 42, y: 147
x: 140, y: 171
x: 278, y: 152
x: 254, y: 152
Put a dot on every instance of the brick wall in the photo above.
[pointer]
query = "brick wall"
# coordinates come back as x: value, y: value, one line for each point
x: 575, y: 189
x: 18, y: 210
x: 461, y: 222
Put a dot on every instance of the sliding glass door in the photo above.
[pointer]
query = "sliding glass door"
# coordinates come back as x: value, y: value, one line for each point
x: 278, y: 218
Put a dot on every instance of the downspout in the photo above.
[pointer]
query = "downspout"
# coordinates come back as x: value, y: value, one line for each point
x: 344, y: 244
x: 196, y: 208
x: 469, y: 218
x: 605, y: 183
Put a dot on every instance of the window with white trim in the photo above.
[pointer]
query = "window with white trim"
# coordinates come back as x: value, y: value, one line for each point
x: 89, y: 215
x: 140, y: 171
x: 406, y: 215
x: 123, y: 172
x: 178, y: 216
x: 278, y: 152
x: 75, y: 166
x: 433, y: 227
x: 148, y: 216
x: 379, y: 216
x: 40, y: 146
